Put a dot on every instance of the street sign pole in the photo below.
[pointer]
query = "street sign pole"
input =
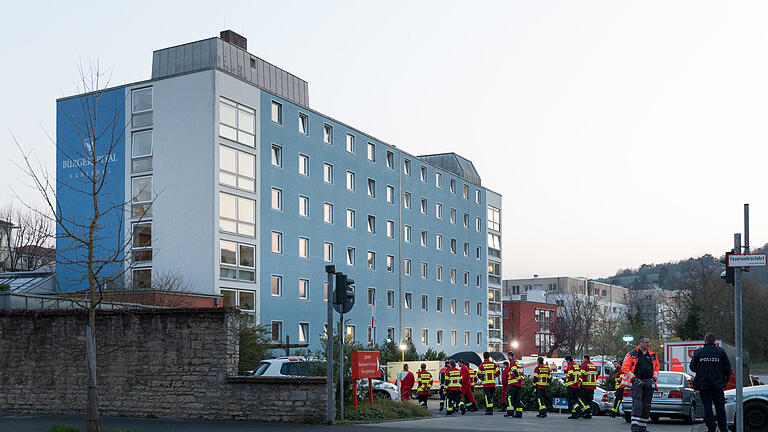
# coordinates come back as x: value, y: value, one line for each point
x: 341, y: 365
x: 737, y: 318
x: 331, y: 271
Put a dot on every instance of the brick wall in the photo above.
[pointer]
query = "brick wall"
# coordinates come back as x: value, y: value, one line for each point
x: 177, y: 363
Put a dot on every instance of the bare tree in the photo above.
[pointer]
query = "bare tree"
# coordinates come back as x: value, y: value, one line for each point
x: 576, y: 314
x: 29, y: 236
x: 91, y: 220
x: 166, y: 289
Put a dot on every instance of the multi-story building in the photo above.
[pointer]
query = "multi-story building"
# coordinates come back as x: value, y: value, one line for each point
x: 558, y: 290
x: 240, y: 187
x: 529, y: 327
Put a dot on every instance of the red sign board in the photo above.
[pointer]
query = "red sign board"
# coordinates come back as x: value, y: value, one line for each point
x: 365, y: 364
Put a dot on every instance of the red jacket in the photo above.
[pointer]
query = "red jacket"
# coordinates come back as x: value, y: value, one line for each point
x: 425, y: 382
x: 505, y: 377
x: 572, y: 375
x: 408, y: 381
x: 588, y: 375
x: 488, y: 373
x: 465, y: 382
x: 542, y: 376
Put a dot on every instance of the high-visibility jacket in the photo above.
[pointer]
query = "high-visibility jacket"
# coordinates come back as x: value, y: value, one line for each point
x: 617, y: 376
x: 443, y: 376
x: 488, y: 373
x: 542, y: 377
x: 425, y: 382
x: 472, y: 376
x: 630, y: 361
x: 505, y: 377
x: 588, y: 375
x: 454, y: 379
x: 515, y: 377
x: 572, y: 375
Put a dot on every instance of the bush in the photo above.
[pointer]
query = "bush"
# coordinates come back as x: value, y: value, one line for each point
x: 527, y: 398
x: 384, y: 410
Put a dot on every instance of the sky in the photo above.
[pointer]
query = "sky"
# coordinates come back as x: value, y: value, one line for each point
x: 618, y: 133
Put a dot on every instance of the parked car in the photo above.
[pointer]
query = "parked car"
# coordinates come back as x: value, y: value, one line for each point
x: 299, y: 366
x: 755, y: 408
x: 674, y: 398
x: 602, y: 402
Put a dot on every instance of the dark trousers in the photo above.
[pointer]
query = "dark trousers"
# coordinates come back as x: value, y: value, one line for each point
x: 513, y: 400
x: 707, y: 398
x: 619, y: 396
x: 541, y: 398
x: 586, y: 396
x: 642, y: 393
x: 442, y: 395
x: 454, y: 401
x: 572, y: 394
x: 488, y: 392
x: 423, y: 399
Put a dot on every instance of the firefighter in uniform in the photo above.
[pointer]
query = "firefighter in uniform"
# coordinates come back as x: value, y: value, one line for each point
x: 488, y: 373
x: 588, y: 384
x: 641, y: 371
x: 467, y: 385
x: 454, y: 390
x: 617, y: 376
x: 425, y: 384
x: 504, y: 381
x: 515, y: 389
x: 541, y: 379
x: 443, y: 382
x: 572, y: 382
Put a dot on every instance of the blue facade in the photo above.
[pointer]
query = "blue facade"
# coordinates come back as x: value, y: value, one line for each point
x: 73, y: 172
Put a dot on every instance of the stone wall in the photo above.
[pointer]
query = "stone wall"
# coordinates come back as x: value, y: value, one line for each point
x: 177, y: 363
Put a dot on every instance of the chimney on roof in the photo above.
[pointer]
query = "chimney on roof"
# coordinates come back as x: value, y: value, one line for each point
x: 234, y: 39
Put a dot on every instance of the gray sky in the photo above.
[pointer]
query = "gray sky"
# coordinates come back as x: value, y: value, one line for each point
x: 610, y: 128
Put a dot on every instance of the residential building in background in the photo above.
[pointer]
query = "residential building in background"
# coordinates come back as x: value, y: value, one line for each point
x: 529, y: 327
x: 239, y: 186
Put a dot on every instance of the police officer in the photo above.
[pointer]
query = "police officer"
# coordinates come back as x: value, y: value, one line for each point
x: 713, y: 369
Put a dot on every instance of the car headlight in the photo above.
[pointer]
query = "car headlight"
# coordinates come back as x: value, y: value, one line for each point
x: 730, y: 399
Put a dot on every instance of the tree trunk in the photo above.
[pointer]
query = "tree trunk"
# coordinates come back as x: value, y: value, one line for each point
x: 93, y: 394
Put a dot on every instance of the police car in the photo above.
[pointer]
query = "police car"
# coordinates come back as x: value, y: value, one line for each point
x: 755, y: 408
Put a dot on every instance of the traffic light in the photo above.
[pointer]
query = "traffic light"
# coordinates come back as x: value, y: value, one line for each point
x: 344, y: 292
x: 728, y: 273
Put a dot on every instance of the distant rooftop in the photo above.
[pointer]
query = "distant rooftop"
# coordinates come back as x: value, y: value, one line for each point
x: 456, y: 164
x: 228, y: 54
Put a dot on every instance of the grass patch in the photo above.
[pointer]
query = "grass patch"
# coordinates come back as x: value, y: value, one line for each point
x: 66, y: 428
x: 384, y: 410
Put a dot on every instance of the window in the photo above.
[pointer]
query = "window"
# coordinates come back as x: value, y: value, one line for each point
x: 303, y: 289
x: 423, y: 205
x: 477, y: 196
x: 438, y: 241
x: 439, y: 272
x: 438, y: 180
x: 277, y: 155
x: 466, y: 189
x: 494, y: 218
x: 303, y: 247
x: 237, y: 122
x: 328, y: 173
x: 423, y: 237
x: 141, y: 151
x: 424, y: 303
x: 453, y: 306
x: 453, y: 215
x: 351, y: 256
x: 494, y: 245
x: 390, y: 299
x: 277, y: 199
x: 237, y: 214
x: 407, y: 166
x: 327, y: 134
x: 477, y: 279
x: 372, y: 188
x: 141, y: 107
x: 327, y: 252
x: 303, y: 124
x: 242, y: 299
x: 371, y: 260
x: 466, y: 338
x: 325, y: 293
x: 423, y: 270
x: 304, y: 332
x: 391, y: 333
x: 453, y: 275
x: 303, y: 165
x: 466, y: 249
x: 407, y: 301
x: 439, y: 305
x: 479, y: 338
x: 372, y: 224
x: 350, y: 143
x: 477, y: 252
x: 141, y: 250
x: 238, y: 261
x: 350, y: 219
x: 407, y: 233
x: 438, y: 210
x: 390, y: 263
x: 466, y: 307
x: 466, y: 220
x: 277, y: 242
x: 478, y: 224
x: 371, y: 296
x: 237, y: 169
x: 407, y: 200
x: 439, y: 337
x: 453, y: 186
x: 277, y: 331
x: 453, y: 245
x: 424, y: 337
x: 390, y: 160
x: 350, y: 181
x: 423, y: 174
x: 407, y: 267
x: 466, y: 278
x: 390, y: 229
x: 479, y: 308
x: 277, y: 113
x: 494, y: 272
x: 303, y: 206
x: 453, y: 337
x: 390, y: 194
x: 328, y: 213
x: 141, y: 196
x: 350, y: 333
x: 408, y: 333
x: 372, y: 152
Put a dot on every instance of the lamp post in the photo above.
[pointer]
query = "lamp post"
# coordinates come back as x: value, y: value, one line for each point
x: 627, y: 338
x: 514, y: 345
x: 403, y: 347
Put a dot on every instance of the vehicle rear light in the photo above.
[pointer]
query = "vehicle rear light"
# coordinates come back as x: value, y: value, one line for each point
x: 605, y: 397
x: 627, y: 392
x: 675, y: 394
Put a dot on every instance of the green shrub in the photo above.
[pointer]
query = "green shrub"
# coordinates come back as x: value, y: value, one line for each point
x: 5, y: 287
x: 384, y: 410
